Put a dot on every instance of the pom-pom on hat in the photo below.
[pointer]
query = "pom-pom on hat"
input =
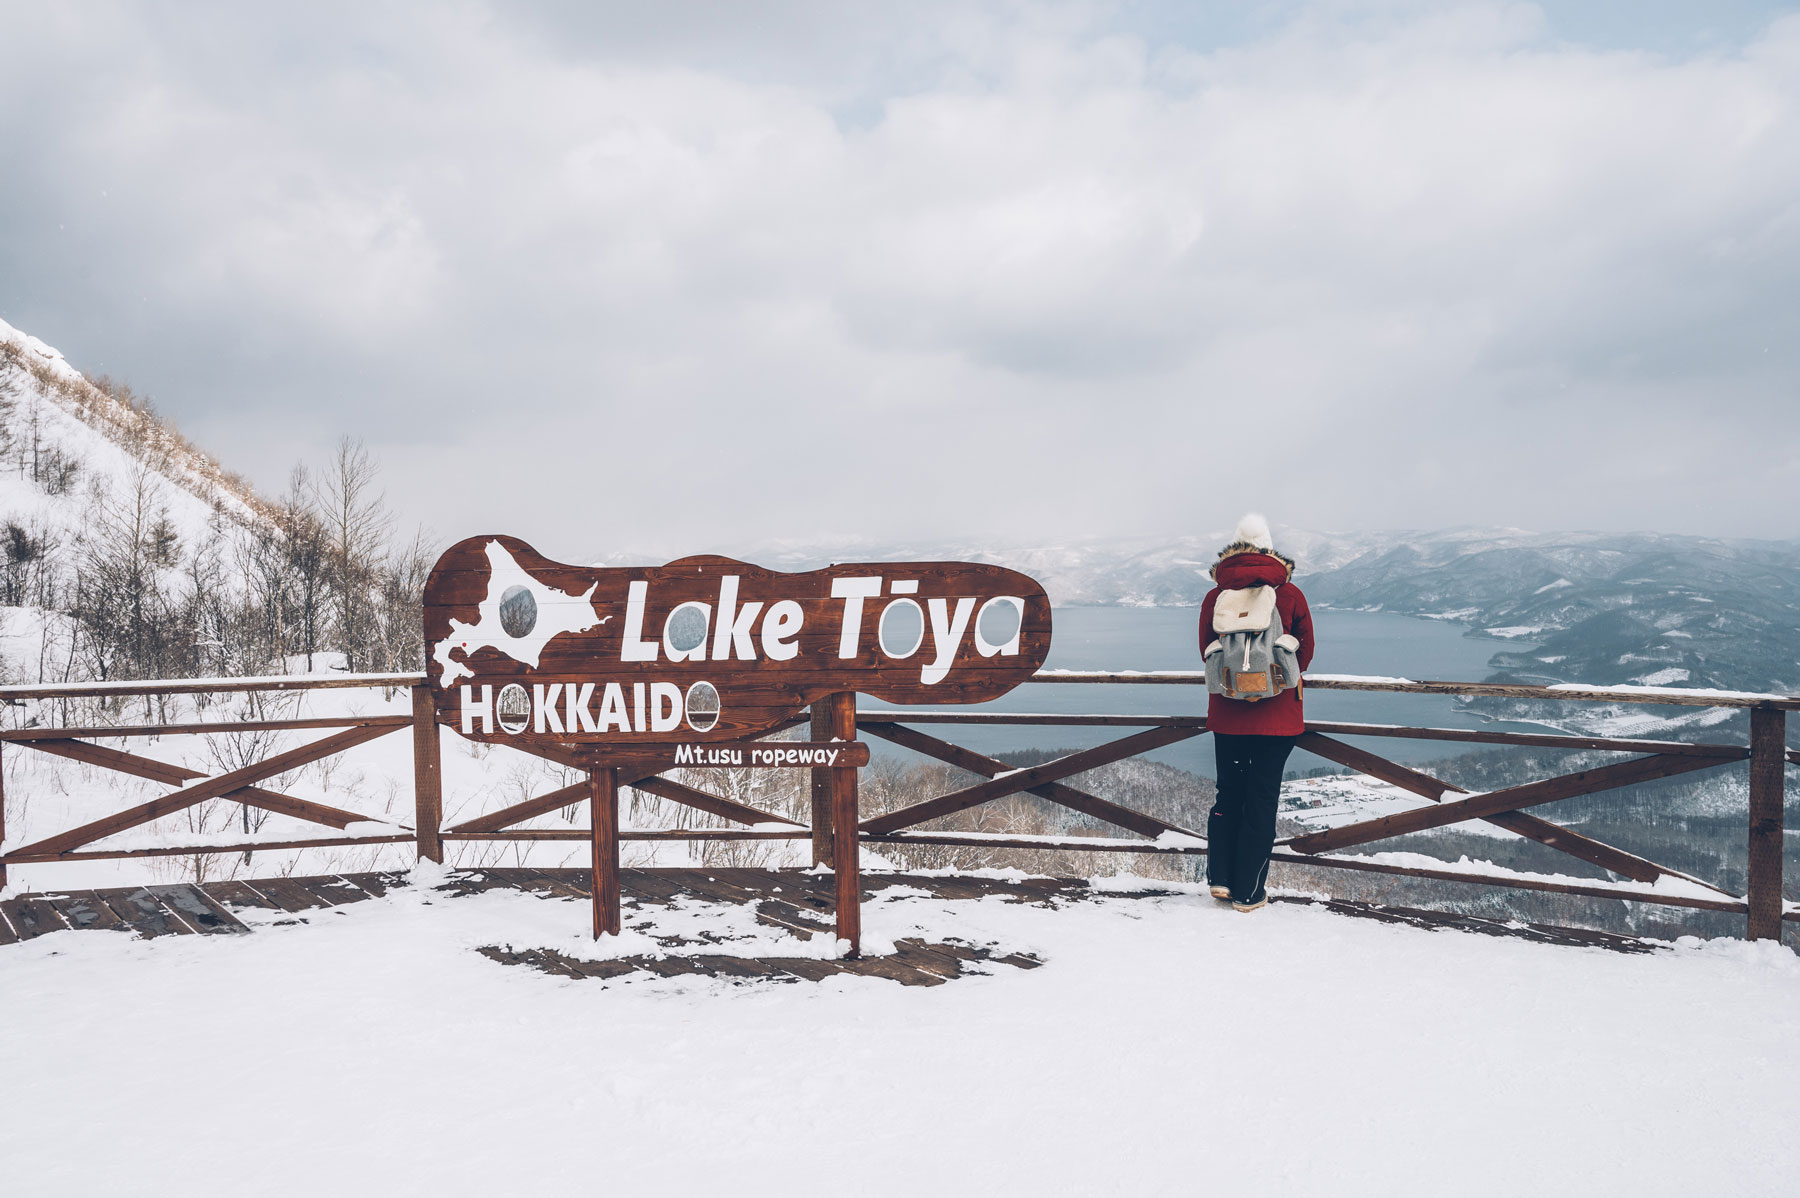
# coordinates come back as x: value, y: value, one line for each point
x: 1254, y: 530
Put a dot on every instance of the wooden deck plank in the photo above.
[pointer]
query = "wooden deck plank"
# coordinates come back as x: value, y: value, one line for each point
x: 742, y: 968
x: 710, y: 884
x: 805, y: 968
x: 30, y: 916
x: 930, y: 957
x: 545, y: 882
x: 786, y: 914
x: 341, y: 889
x: 85, y: 910
x: 290, y: 894
x: 198, y: 909
x: 145, y: 913
x: 893, y: 968
x: 651, y: 886
x: 772, y: 918
x: 233, y: 892
x: 667, y: 967
x: 377, y: 884
x: 942, y: 887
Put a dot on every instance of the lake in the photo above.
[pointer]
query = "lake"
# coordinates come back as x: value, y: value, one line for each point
x: 1165, y: 638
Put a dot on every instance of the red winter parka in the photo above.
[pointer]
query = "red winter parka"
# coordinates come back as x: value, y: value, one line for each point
x: 1283, y: 715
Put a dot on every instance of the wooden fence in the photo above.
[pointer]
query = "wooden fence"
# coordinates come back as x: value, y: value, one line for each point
x: 834, y: 791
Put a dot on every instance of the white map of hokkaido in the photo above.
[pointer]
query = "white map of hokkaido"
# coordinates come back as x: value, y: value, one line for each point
x: 557, y: 612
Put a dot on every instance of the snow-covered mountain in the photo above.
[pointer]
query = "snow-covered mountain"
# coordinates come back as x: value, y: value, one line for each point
x: 1579, y: 607
x: 1598, y: 607
x: 1129, y: 572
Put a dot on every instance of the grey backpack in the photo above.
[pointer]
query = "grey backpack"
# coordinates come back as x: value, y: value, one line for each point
x: 1252, y: 656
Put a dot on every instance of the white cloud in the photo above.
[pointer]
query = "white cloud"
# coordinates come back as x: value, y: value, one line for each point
x: 1403, y: 265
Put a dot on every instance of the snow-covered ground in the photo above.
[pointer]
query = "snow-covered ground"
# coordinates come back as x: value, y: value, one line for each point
x: 1168, y: 1046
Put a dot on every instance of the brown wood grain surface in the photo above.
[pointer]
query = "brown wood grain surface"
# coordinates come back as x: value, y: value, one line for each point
x: 820, y: 718
x: 1056, y: 792
x: 700, y: 800
x: 763, y: 671
x: 205, y: 728
x: 493, y: 821
x: 428, y: 778
x: 1374, y: 765
x: 603, y: 811
x: 1768, y: 745
x: 1015, y: 781
x: 846, y: 843
x: 139, y: 766
x: 209, y: 788
x: 1545, y: 740
x: 20, y: 857
x: 1550, y: 790
x: 1585, y: 848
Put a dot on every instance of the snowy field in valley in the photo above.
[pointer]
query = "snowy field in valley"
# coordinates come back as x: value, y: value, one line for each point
x: 1167, y: 1046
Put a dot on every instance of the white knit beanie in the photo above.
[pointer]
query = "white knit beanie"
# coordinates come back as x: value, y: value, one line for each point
x: 1254, y: 530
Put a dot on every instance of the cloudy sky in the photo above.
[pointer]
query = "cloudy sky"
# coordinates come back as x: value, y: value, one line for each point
x: 686, y: 276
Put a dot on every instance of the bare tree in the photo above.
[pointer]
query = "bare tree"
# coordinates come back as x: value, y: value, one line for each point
x: 306, y: 558
x: 401, y: 632
x: 357, y: 524
x: 121, y: 606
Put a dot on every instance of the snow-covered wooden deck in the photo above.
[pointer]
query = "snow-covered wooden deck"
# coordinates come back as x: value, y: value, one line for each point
x: 797, y: 903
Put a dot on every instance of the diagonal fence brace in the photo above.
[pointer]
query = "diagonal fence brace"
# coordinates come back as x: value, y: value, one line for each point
x: 1497, y: 802
x: 210, y: 788
x: 1056, y: 792
x: 138, y: 766
x: 1014, y: 781
x: 650, y: 783
x: 1555, y: 836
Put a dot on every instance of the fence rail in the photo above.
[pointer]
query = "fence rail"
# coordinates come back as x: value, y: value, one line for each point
x: 834, y: 804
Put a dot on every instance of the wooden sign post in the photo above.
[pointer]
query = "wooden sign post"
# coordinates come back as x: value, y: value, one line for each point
x: 684, y: 665
x: 603, y: 820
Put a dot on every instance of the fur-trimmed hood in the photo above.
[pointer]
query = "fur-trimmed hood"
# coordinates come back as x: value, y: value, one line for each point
x: 1252, y: 536
x: 1250, y: 566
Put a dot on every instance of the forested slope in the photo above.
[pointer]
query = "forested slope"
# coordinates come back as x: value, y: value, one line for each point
x: 125, y: 552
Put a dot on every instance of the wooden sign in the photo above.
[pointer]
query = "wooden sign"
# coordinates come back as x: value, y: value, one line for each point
x: 707, y: 649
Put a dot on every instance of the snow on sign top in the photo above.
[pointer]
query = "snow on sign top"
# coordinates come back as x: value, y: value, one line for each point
x: 707, y: 648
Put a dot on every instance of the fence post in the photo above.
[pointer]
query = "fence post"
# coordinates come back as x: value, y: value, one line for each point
x: 821, y: 786
x: 846, y: 842
x: 428, y: 776
x: 1768, y: 769
x: 603, y: 823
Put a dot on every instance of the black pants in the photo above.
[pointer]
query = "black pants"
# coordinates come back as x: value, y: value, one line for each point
x: 1240, y: 832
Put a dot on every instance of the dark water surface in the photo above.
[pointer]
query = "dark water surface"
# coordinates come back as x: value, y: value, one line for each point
x: 1151, y: 638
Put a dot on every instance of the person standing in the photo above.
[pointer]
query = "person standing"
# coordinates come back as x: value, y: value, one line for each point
x: 1252, y: 737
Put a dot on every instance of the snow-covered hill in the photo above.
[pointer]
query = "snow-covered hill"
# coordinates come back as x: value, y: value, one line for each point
x: 87, y: 473
x: 58, y: 413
